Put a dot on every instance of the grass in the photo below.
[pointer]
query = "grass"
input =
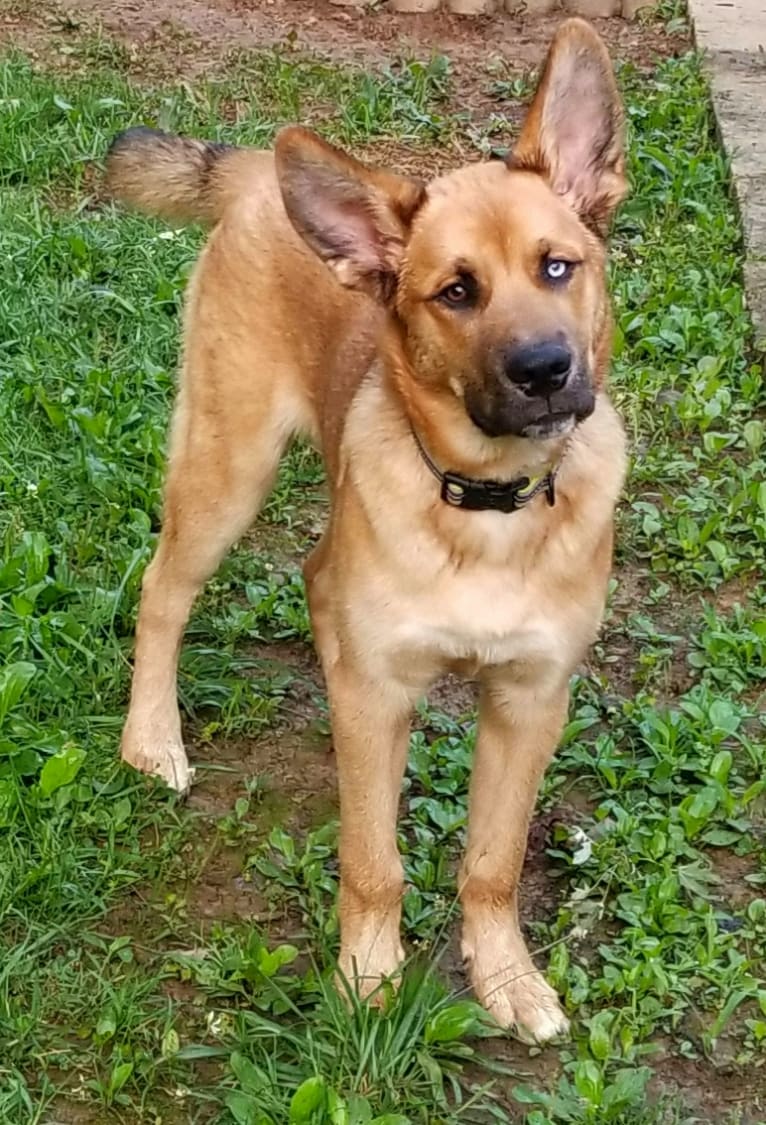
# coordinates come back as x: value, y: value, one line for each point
x: 121, y: 1000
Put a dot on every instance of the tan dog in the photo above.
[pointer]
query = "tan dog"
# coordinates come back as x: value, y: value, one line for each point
x: 432, y: 339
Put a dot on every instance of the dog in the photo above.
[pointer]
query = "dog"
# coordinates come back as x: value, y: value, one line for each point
x: 446, y: 346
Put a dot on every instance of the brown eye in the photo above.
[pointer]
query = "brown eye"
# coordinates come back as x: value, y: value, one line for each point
x: 455, y: 293
x: 460, y: 294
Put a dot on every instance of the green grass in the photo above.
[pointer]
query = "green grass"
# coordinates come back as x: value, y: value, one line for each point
x: 117, y: 994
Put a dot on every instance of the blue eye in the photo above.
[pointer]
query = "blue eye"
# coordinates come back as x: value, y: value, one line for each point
x: 556, y: 269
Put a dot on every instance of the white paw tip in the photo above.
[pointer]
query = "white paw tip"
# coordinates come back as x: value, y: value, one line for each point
x: 180, y: 780
x: 547, y: 1026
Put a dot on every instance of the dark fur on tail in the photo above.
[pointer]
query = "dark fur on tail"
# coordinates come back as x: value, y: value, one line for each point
x: 175, y: 178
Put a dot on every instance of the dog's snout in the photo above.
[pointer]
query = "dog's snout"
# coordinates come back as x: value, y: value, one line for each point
x: 539, y: 368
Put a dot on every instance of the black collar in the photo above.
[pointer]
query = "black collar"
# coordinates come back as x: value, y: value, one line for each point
x: 489, y: 495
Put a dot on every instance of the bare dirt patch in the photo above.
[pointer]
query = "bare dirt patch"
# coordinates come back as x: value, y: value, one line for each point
x: 182, y: 39
x: 369, y: 36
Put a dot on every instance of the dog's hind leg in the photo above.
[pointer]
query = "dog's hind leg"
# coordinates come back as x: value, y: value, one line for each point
x: 220, y: 470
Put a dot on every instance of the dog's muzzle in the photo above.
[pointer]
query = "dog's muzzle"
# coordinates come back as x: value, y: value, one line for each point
x: 504, y: 408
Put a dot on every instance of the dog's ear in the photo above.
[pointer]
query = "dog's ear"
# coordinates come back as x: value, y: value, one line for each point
x: 355, y: 218
x: 574, y: 132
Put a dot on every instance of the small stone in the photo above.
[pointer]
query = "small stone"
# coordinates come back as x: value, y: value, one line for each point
x: 593, y: 9
x: 729, y: 925
x: 632, y: 8
x: 471, y: 7
x: 531, y: 7
x: 415, y: 5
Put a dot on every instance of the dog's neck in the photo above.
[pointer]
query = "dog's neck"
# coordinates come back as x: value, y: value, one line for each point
x: 455, y: 444
x: 484, y: 494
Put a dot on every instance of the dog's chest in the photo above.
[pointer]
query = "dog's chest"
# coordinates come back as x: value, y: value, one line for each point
x: 482, y: 614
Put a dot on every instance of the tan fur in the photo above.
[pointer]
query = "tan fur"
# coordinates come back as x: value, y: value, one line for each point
x: 317, y: 307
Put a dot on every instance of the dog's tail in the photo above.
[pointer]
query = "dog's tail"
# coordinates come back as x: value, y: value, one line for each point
x: 174, y: 178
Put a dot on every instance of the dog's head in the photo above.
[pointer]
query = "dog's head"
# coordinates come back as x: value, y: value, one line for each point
x: 495, y: 273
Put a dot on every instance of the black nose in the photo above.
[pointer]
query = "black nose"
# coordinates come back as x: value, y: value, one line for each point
x: 539, y: 368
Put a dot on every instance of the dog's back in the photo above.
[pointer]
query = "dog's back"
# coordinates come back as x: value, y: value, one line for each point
x: 257, y: 280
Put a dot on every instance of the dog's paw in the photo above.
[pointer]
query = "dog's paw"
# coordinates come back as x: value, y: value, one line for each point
x: 365, y: 967
x: 523, y: 1001
x: 513, y: 991
x: 165, y: 759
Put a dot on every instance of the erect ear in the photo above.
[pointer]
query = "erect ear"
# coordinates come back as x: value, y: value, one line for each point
x: 355, y: 218
x: 574, y: 132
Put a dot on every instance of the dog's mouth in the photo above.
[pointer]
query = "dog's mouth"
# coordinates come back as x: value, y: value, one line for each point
x: 499, y: 410
x: 556, y: 424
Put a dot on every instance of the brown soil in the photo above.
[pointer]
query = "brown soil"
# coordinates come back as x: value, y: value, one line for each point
x: 187, y: 37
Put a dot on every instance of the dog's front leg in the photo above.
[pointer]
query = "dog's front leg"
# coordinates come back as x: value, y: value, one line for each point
x: 370, y: 722
x: 520, y: 722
